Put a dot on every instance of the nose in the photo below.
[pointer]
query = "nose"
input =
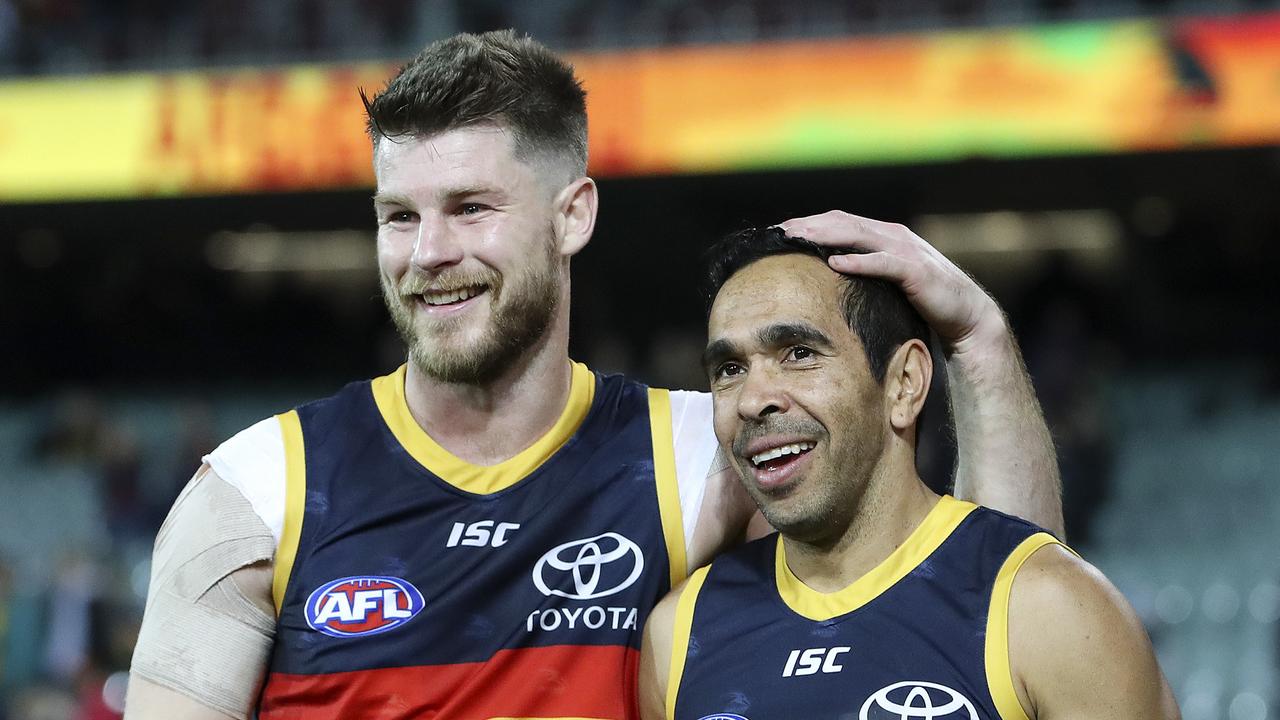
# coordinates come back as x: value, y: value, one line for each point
x: 762, y: 394
x: 436, y: 245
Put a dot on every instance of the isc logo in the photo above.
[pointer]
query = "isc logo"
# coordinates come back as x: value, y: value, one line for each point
x: 362, y: 605
x: 814, y: 660
x: 479, y: 534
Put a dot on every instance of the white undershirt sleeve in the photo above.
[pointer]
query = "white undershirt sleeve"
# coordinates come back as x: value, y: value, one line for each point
x: 695, y: 451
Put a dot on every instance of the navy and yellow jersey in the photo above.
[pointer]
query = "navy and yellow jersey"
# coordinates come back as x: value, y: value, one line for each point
x: 923, y: 635
x: 411, y: 584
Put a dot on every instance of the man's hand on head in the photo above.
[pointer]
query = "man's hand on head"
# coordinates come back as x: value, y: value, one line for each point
x: 953, y: 304
x: 1005, y: 456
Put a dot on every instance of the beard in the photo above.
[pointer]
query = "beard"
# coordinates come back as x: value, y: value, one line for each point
x: 519, y: 314
x: 818, y: 508
x: 799, y: 511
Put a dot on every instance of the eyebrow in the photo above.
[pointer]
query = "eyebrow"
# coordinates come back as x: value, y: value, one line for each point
x: 450, y: 194
x: 782, y: 334
x: 772, y: 336
x: 381, y: 198
x: 718, y: 351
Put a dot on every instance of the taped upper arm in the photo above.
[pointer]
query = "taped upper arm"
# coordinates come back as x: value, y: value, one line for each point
x: 1077, y: 649
x: 148, y: 700
x: 209, y: 622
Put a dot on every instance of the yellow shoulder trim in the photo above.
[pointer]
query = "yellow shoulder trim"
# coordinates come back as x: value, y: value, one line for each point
x: 999, y: 673
x: 295, y: 493
x: 936, y: 527
x: 388, y: 394
x: 664, y: 470
x: 682, y: 626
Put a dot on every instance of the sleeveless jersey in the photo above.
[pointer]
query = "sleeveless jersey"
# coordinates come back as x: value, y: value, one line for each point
x: 411, y: 584
x: 922, y: 636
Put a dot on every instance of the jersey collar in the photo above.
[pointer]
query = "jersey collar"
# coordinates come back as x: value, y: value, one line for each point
x: 936, y: 527
x: 388, y: 394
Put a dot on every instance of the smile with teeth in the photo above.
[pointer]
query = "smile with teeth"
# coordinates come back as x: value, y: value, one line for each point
x: 775, y: 453
x: 449, y: 297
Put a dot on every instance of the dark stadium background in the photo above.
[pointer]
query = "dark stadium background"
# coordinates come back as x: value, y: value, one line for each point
x: 129, y: 349
x: 123, y: 291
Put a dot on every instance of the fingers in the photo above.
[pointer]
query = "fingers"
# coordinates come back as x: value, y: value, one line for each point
x: 841, y: 229
x: 876, y: 264
x: 831, y: 223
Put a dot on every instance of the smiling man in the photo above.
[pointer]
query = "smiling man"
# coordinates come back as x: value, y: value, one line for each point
x: 878, y: 599
x: 482, y: 532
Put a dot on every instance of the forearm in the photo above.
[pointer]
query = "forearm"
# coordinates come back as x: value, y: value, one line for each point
x: 1005, y: 458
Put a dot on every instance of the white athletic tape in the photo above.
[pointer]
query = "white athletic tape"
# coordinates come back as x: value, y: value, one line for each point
x: 201, y: 636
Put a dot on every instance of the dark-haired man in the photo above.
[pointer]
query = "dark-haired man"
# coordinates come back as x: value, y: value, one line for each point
x: 878, y: 599
x: 482, y: 533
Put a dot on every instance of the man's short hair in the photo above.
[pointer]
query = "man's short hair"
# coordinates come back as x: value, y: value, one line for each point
x: 876, y: 310
x: 496, y: 77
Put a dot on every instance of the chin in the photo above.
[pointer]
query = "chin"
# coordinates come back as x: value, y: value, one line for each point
x: 477, y: 362
x: 796, y: 523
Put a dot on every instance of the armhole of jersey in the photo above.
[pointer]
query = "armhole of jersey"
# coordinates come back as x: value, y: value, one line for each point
x: 999, y: 672
x: 294, y: 494
x: 664, y: 470
x: 680, y: 631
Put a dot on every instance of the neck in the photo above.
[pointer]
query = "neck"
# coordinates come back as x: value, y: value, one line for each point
x: 487, y: 424
x: 891, y: 506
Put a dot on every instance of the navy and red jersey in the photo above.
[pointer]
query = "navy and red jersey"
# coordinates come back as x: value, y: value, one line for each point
x: 411, y: 584
x: 923, y: 635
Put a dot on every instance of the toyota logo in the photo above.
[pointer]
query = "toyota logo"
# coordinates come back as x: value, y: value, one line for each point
x: 596, y: 565
x: 917, y: 701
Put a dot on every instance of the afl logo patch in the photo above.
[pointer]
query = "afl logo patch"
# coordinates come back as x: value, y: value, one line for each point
x: 722, y: 716
x: 917, y: 700
x: 362, y: 605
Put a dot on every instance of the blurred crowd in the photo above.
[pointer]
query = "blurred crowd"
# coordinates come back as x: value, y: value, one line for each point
x: 76, y: 36
x: 70, y: 609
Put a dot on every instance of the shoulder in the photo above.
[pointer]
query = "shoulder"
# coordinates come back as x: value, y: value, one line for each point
x: 677, y: 607
x: 1076, y: 647
x: 691, y: 402
x: 253, y: 462
x: 662, y: 620
x: 666, y: 632
x: 1055, y: 582
x: 691, y: 415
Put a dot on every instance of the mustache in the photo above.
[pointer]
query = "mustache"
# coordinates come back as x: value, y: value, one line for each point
x: 773, y: 425
x: 418, y: 284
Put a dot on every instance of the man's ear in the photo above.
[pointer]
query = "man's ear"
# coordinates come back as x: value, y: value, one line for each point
x: 906, y: 383
x: 575, y: 217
